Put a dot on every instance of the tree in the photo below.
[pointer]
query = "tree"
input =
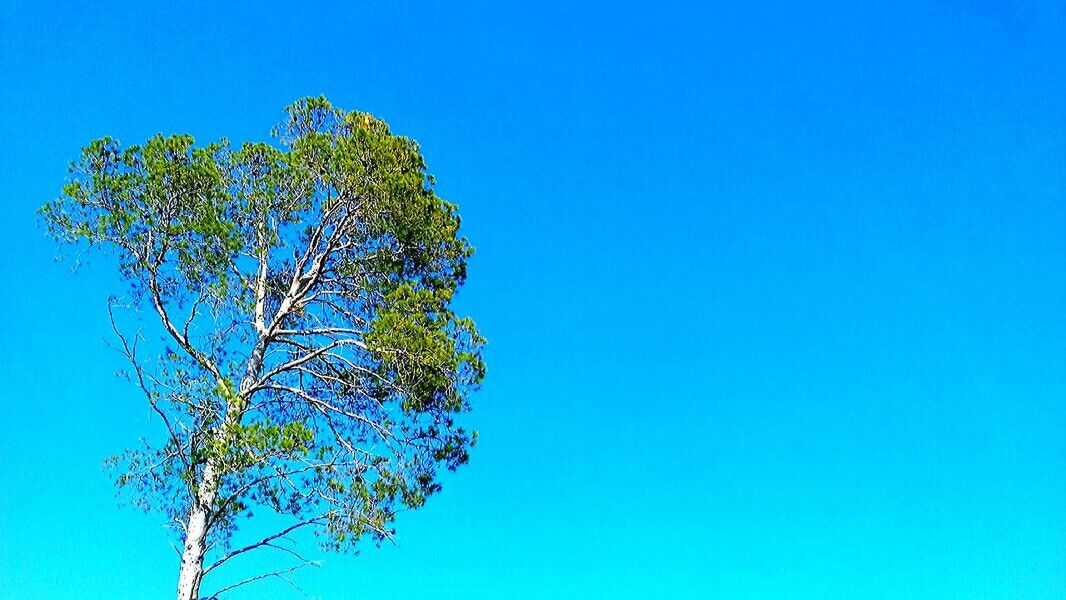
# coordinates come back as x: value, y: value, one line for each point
x: 312, y: 362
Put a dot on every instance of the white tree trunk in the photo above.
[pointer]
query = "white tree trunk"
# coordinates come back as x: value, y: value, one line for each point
x: 192, y: 557
x: 191, y: 573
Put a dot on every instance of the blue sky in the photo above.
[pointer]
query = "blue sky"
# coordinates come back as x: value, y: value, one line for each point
x: 775, y: 295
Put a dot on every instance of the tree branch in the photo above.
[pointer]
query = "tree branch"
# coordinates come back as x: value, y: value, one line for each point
x: 263, y: 542
x: 279, y: 574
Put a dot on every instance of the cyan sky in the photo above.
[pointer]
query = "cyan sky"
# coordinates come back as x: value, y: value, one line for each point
x: 776, y: 296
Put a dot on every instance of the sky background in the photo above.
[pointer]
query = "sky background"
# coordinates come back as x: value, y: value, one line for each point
x: 775, y: 295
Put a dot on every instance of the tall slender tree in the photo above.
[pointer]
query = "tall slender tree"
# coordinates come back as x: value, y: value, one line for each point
x: 312, y: 363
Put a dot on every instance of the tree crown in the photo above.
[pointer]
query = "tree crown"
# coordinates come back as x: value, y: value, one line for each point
x: 313, y: 363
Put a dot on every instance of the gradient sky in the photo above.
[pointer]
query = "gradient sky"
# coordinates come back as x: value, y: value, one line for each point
x: 775, y: 295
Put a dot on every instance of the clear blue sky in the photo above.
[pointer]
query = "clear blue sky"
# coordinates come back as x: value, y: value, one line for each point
x: 776, y: 296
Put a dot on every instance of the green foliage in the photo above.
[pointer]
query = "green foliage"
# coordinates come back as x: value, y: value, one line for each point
x: 314, y: 364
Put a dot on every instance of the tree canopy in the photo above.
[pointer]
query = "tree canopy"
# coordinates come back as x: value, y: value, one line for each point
x: 313, y: 363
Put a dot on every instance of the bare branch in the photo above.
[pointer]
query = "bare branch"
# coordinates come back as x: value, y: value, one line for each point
x: 264, y: 541
x: 160, y: 308
x: 279, y: 574
x: 130, y: 351
x: 260, y: 285
x: 305, y: 359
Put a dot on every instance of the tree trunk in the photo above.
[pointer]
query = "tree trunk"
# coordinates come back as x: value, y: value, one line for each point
x: 192, y: 557
x: 191, y: 573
